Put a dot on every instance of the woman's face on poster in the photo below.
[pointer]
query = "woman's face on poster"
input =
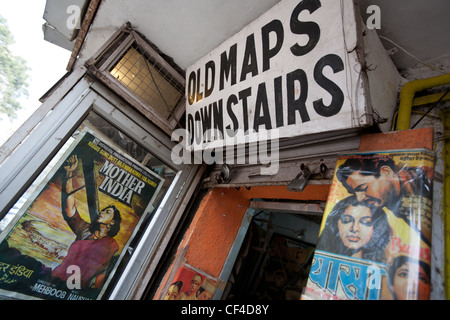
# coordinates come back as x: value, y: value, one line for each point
x: 173, y: 293
x: 355, y: 227
x: 411, y: 282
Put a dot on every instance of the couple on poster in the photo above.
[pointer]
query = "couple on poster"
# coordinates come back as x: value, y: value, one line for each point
x: 375, y: 239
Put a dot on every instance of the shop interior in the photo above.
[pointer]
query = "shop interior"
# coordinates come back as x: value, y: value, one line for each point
x: 275, y: 257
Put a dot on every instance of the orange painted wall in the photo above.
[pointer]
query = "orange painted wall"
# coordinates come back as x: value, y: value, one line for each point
x: 219, y: 217
x: 216, y: 223
x: 214, y: 229
x: 311, y: 192
x: 406, y: 139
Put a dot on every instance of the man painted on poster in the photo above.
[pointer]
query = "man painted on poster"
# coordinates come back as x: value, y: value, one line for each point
x: 379, y: 181
x: 94, y: 246
x: 191, y: 292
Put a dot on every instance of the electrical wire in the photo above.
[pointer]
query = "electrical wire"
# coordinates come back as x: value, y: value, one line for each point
x: 432, y: 107
x: 410, y: 54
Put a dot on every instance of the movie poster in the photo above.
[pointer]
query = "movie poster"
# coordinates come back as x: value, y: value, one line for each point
x: 190, y: 284
x: 375, y: 238
x: 69, y: 238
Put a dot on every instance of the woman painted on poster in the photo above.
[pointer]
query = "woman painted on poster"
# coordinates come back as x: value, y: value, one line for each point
x: 94, y: 246
x: 356, y: 229
x: 174, y: 291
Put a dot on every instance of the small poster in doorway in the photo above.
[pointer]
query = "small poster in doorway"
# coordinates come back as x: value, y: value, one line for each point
x: 191, y: 284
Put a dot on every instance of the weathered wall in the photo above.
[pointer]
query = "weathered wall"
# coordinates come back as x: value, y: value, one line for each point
x: 212, y: 232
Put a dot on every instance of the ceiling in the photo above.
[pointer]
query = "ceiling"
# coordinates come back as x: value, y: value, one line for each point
x: 421, y: 27
x: 183, y: 30
x: 188, y: 30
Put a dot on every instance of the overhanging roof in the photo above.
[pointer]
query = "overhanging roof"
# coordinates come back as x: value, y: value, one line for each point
x: 187, y: 30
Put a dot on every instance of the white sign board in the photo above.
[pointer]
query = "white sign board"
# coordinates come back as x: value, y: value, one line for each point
x: 294, y: 71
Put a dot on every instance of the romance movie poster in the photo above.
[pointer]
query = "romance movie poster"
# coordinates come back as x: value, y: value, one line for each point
x: 375, y: 238
x: 70, y: 236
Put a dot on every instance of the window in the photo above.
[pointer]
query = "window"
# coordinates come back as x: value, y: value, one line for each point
x: 39, y: 212
x: 127, y: 136
x: 153, y: 84
x: 142, y: 76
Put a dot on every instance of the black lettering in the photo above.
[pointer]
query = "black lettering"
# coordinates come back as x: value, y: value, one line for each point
x: 279, y: 116
x: 250, y: 63
x: 198, y: 129
x: 210, y: 66
x: 243, y: 95
x: 218, y: 116
x: 297, y: 104
x: 262, y: 103
x: 191, y: 128
x: 336, y: 63
x: 232, y: 100
x: 199, y: 94
x: 207, y: 121
x: 268, y: 53
x: 191, y: 87
x: 228, y: 66
x: 311, y: 29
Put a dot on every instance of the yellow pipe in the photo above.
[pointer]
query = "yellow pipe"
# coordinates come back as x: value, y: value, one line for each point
x: 407, y: 96
x: 429, y: 99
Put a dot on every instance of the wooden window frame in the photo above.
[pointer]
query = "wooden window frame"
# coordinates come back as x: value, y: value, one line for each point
x: 110, y: 54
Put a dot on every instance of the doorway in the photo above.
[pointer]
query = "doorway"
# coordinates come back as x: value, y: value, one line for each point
x: 275, y: 256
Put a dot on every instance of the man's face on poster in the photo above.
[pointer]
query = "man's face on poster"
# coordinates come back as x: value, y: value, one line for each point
x: 373, y: 190
x: 195, y: 284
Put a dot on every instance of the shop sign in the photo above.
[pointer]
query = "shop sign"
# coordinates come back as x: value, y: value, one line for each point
x: 294, y: 71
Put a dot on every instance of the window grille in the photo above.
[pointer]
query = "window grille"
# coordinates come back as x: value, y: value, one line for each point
x: 136, y: 71
x: 149, y: 81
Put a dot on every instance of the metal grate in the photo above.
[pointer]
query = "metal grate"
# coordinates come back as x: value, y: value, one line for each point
x: 148, y: 80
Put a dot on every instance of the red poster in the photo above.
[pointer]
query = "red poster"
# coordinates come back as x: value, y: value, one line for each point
x: 190, y: 284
